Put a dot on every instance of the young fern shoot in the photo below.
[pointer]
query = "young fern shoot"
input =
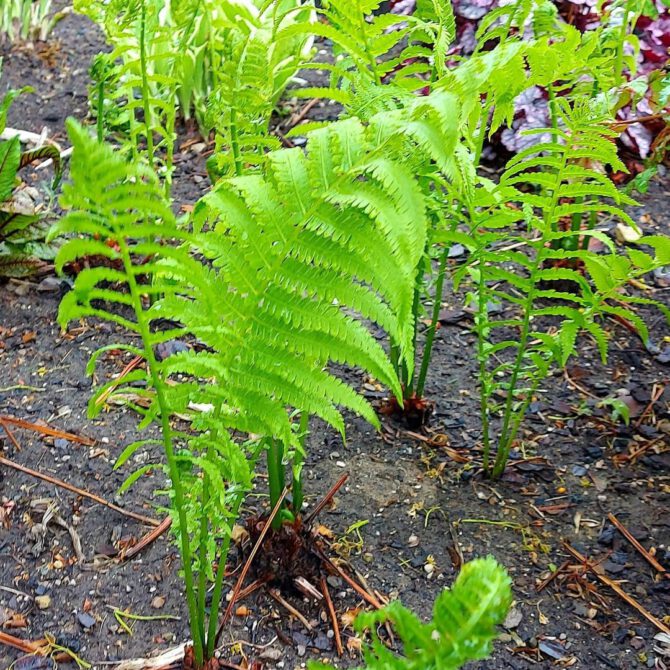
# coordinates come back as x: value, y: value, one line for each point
x: 462, y: 628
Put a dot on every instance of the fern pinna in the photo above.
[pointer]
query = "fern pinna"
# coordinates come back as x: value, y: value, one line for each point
x: 515, y: 262
x: 273, y: 282
x: 462, y: 628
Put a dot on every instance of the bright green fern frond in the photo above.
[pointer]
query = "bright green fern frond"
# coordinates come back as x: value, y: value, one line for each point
x: 462, y: 628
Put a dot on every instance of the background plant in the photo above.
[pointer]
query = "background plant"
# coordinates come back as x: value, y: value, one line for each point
x: 22, y: 227
x: 462, y: 628
x: 259, y: 52
x: 640, y: 43
x: 28, y: 19
x: 171, y: 57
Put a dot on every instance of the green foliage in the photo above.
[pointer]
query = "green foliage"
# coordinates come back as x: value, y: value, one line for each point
x: 382, y: 59
x: 258, y: 55
x: 28, y: 19
x: 462, y: 628
x: 168, y: 55
x: 140, y: 74
x: 270, y: 301
x: 549, y: 293
x: 22, y: 232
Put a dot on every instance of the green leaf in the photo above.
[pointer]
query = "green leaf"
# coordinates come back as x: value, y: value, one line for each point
x: 10, y: 158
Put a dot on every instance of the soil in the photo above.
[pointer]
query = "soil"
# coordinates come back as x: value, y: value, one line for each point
x: 416, y: 493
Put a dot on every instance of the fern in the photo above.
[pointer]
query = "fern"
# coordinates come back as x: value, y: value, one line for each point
x: 258, y: 58
x: 269, y: 301
x: 403, y: 53
x: 516, y: 352
x: 462, y: 628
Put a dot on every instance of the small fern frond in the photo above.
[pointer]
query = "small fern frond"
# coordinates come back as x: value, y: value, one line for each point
x: 462, y: 628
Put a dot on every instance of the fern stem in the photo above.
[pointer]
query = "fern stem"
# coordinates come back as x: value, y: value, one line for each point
x: 100, y: 121
x: 218, y: 581
x: 146, y: 104
x: 204, y: 525
x: 507, y: 435
x: 482, y: 328
x: 173, y: 468
x: 235, y: 142
x: 372, y: 61
x: 408, y: 375
x: 276, y: 476
x: 432, y: 328
x: 298, y: 461
x: 553, y: 112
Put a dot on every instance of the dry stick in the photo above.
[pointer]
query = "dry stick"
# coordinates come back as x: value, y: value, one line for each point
x: 326, y: 499
x: 147, y: 539
x: 617, y: 589
x: 545, y: 582
x: 624, y: 458
x: 25, y: 646
x: 78, y: 491
x: 127, y: 370
x: 10, y: 435
x: 252, y: 588
x: 369, y: 598
x: 45, y: 430
x: 656, y: 393
x: 297, y: 118
x: 298, y: 615
x: 247, y: 565
x: 333, y: 616
x: 646, y: 555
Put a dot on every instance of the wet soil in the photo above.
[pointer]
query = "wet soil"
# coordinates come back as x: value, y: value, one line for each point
x: 421, y: 504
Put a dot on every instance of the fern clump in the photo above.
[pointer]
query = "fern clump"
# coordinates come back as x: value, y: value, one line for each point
x: 527, y: 211
x: 462, y: 628
x: 266, y: 302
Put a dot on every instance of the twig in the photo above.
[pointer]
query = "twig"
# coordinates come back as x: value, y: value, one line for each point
x: 656, y: 393
x: 26, y: 137
x: 545, y: 582
x: 252, y: 588
x: 578, y: 387
x: 617, y: 589
x: 287, y: 605
x: 147, y: 539
x: 45, y: 430
x: 129, y: 368
x: 10, y: 434
x: 333, y: 616
x: 369, y: 598
x: 165, y: 660
x: 78, y: 491
x: 25, y: 646
x: 298, y: 117
x: 326, y: 499
x: 247, y: 565
x: 645, y: 554
x: 630, y: 457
